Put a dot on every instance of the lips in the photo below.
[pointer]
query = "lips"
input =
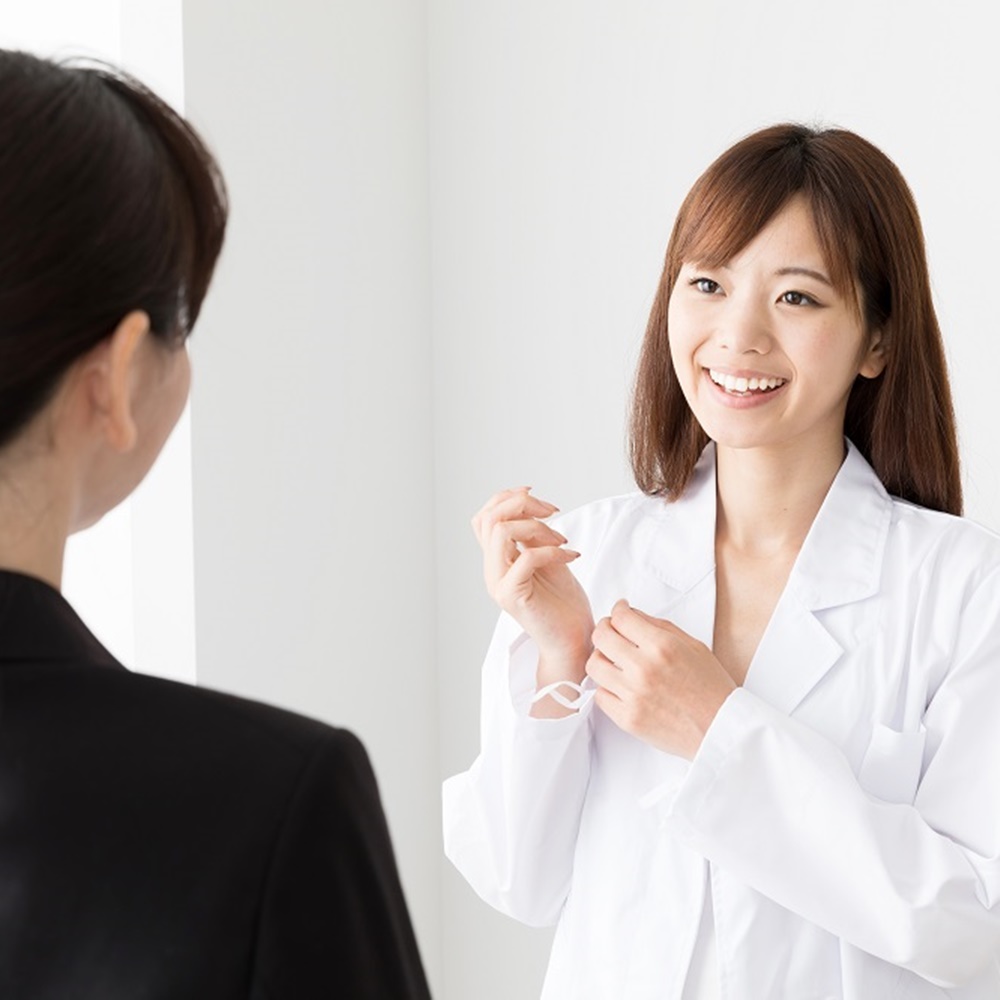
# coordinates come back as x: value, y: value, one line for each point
x: 738, y: 385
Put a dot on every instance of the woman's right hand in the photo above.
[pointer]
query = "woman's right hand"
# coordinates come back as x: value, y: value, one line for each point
x: 527, y: 574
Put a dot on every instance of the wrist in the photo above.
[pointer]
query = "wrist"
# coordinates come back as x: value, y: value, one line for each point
x: 561, y: 665
x: 552, y: 668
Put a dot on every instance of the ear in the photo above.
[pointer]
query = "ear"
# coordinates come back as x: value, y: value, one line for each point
x: 873, y: 361
x: 115, y: 374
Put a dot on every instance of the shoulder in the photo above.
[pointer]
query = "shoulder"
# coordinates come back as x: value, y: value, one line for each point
x: 211, y: 733
x: 632, y: 537
x: 646, y: 519
x: 595, y: 520
x: 935, y: 541
x: 942, y: 567
x: 915, y: 550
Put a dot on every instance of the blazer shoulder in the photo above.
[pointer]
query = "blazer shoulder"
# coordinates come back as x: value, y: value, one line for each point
x: 235, y: 725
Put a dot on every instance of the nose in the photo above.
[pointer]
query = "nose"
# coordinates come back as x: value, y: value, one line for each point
x: 744, y: 327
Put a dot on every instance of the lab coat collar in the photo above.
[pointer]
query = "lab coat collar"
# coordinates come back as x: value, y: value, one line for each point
x: 676, y: 541
x: 841, y: 557
x: 840, y: 562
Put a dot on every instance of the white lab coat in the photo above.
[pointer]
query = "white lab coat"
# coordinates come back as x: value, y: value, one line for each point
x: 846, y: 799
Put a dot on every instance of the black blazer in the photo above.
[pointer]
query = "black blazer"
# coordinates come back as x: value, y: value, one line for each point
x: 159, y: 840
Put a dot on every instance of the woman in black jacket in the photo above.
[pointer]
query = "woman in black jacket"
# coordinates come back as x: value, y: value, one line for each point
x: 156, y: 840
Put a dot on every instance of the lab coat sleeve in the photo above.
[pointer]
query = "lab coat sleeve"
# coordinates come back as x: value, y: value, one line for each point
x: 918, y: 885
x: 511, y: 820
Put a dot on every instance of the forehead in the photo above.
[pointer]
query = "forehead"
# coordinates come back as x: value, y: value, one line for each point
x: 732, y: 231
x: 789, y: 239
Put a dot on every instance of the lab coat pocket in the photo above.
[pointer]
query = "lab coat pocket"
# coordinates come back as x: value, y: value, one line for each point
x: 891, y: 767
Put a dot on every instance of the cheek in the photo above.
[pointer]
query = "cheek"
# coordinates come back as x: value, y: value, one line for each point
x: 834, y: 350
x: 183, y: 380
x: 682, y: 336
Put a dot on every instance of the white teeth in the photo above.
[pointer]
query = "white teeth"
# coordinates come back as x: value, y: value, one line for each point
x: 732, y: 383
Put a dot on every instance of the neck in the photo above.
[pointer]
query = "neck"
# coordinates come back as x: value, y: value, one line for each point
x: 768, y: 499
x: 34, y: 520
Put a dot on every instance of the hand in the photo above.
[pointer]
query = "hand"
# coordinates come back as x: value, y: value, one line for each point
x: 655, y: 681
x: 527, y: 574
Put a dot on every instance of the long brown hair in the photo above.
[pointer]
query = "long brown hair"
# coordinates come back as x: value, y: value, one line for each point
x: 869, y: 230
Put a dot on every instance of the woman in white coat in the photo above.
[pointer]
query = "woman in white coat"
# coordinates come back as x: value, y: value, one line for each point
x: 770, y: 770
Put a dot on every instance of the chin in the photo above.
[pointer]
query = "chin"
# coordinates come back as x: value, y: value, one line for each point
x: 725, y: 435
x: 742, y: 442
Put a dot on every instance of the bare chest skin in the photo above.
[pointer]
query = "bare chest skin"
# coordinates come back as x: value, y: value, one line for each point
x: 747, y: 590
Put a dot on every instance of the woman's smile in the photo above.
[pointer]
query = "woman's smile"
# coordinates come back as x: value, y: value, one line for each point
x: 745, y: 388
x: 766, y: 333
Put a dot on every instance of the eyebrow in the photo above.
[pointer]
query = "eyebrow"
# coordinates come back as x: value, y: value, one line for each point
x: 781, y: 271
x: 807, y: 271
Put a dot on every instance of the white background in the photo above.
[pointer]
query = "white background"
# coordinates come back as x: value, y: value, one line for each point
x: 449, y: 218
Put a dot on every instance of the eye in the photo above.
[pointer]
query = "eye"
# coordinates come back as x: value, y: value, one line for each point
x: 705, y: 285
x: 798, y: 299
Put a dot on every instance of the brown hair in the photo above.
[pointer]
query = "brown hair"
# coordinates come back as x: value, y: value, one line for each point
x: 867, y: 224
x: 109, y: 202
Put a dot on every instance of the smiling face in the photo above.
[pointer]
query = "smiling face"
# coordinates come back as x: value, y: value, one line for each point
x: 765, y: 348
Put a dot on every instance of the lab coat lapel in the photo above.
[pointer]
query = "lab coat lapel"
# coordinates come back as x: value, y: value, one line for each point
x: 840, y: 562
x: 795, y: 652
x: 675, y: 547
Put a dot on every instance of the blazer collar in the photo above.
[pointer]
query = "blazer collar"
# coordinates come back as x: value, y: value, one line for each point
x: 38, y: 625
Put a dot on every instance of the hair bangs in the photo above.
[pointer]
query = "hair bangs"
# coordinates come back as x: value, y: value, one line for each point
x: 725, y: 213
x: 723, y: 217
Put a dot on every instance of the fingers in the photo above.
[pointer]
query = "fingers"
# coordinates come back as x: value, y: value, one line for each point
x: 604, y: 673
x: 517, y: 577
x: 509, y: 524
x: 612, y: 644
x: 637, y: 626
x: 527, y: 532
x: 505, y: 541
x: 630, y: 640
x: 508, y: 505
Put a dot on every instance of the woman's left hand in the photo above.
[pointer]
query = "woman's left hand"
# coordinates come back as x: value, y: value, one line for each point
x: 655, y: 681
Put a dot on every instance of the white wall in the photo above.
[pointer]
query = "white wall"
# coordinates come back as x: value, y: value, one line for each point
x: 311, y: 408
x: 563, y: 137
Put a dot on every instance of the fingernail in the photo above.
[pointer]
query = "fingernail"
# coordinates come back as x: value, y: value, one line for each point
x: 574, y: 554
x: 562, y: 538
